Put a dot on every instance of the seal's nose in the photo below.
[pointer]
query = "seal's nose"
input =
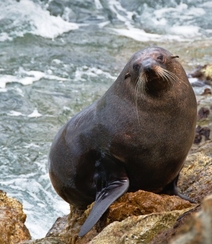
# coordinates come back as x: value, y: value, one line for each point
x: 147, y: 64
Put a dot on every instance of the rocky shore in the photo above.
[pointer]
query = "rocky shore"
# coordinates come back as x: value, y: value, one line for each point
x: 141, y: 217
x: 12, y: 218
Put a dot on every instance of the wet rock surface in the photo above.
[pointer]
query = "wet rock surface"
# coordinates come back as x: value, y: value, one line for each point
x: 143, y: 203
x: 128, y: 215
x: 195, y: 178
x: 198, y: 228
x: 202, y: 77
x: 137, y: 229
x: 202, y: 72
x: 12, y: 218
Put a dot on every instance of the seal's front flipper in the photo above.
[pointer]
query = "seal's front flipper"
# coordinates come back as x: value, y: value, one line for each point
x: 171, y: 189
x: 111, y: 182
x: 106, y: 197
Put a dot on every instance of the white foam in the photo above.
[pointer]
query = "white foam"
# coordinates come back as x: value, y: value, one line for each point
x: 63, y: 206
x: 35, y: 202
x: 90, y: 71
x: 15, y: 113
x: 186, y: 31
x: 28, y: 17
x: 34, y: 114
x: 4, y: 37
x: 198, y: 86
x: 60, y: 208
x: 137, y: 34
x: 51, y: 26
x: 158, y: 17
x: 30, y: 145
x: 98, y: 4
x: 4, y: 79
x: 26, y: 77
x: 186, y: 15
x: 200, y: 90
x: 181, y: 9
x: 3, y: 90
x: 193, y: 80
x: 103, y: 24
x: 141, y: 35
x: 207, y: 4
x: 163, y: 12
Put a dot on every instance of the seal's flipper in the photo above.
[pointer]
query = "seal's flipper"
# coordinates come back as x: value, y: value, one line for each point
x: 111, y: 183
x: 107, y: 196
x: 171, y: 189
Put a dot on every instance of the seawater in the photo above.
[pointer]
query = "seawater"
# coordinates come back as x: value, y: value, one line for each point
x: 58, y: 57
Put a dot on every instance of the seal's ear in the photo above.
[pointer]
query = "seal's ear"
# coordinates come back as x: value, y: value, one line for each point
x: 174, y: 56
x: 127, y: 75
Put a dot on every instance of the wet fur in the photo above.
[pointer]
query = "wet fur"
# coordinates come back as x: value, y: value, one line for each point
x: 137, y: 129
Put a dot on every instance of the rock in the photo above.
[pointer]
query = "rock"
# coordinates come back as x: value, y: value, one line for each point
x: 142, y: 203
x: 204, y: 119
x: 44, y: 241
x: 203, y: 79
x: 167, y: 235
x: 12, y: 218
x: 198, y: 228
x: 202, y: 72
x: 130, y: 210
x: 195, y: 177
x: 67, y: 227
x: 195, y: 182
x: 203, y: 113
x: 200, y: 132
x: 207, y: 72
x: 207, y: 91
x: 137, y: 229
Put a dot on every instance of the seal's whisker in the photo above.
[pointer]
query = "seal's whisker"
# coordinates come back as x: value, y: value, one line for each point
x: 163, y: 74
x: 137, y: 88
x: 143, y: 82
x: 173, y: 77
x: 180, y: 80
x: 168, y: 77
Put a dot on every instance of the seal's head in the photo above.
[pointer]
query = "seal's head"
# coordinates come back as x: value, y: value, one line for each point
x: 153, y: 70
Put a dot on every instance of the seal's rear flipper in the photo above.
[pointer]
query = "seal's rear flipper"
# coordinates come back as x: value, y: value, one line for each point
x: 111, y: 182
x: 171, y: 189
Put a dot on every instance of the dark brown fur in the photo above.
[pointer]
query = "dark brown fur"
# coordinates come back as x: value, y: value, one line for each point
x: 145, y: 123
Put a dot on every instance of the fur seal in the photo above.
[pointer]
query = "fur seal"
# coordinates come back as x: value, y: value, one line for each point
x: 136, y: 136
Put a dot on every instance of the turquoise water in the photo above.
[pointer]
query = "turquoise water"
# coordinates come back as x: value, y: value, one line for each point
x: 59, y: 56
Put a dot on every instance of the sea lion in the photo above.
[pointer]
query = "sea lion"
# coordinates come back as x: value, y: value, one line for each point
x: 136, y: 136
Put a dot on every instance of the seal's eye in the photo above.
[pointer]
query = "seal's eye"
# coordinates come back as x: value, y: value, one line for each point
x: 160, y: 58
x: 136, y: 67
